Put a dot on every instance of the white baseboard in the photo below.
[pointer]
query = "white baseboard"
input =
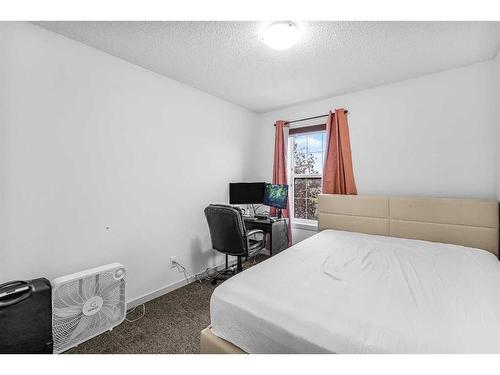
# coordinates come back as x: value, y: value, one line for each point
x: 177, y: 284
x: 168, y: 288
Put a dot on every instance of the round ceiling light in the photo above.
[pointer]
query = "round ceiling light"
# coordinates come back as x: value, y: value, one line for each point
x: 281, y: 35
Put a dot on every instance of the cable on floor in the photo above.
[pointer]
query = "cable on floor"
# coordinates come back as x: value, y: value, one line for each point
x: 138, y: 318
x: 213, y: 272
x: 185, y: 271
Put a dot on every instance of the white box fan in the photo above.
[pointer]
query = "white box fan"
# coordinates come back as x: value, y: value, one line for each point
x: 86, y: 304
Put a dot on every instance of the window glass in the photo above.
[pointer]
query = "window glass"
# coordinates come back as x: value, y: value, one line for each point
x: 316, y: 163
x: 299, y: 188
x: 300, y: 162
x: 306, y: 191
x: 315, y: 142
x: 313, y: 187
x: 307, y: 171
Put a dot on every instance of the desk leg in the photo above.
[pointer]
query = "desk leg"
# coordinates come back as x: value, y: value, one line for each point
x: 271, y: 242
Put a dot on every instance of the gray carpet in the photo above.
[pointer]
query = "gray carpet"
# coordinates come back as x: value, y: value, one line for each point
x: 172, y: 324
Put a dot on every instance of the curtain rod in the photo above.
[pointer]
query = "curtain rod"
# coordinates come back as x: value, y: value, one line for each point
x: 309, y: 118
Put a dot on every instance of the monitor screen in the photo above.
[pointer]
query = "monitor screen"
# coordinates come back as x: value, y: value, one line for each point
x: 276, y: 195
x: 246, y: 193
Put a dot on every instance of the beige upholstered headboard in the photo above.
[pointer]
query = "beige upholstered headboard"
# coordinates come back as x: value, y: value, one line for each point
x: 466, y: 222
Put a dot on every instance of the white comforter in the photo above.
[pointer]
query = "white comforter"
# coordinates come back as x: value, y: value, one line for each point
x: 342, y: 292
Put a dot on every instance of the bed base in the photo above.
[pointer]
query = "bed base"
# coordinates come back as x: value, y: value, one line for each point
x: 211, y: 344
x: 465, y: 222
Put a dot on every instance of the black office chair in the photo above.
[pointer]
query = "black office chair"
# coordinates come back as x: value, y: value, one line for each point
x: 229, y: 235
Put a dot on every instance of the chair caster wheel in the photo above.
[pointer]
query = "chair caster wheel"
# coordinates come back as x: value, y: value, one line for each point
x: 213, y: 282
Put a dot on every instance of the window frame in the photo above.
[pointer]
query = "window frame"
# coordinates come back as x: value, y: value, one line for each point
x: 303, y: 223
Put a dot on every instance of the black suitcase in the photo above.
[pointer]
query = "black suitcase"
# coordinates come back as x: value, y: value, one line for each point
x: 26, y: 317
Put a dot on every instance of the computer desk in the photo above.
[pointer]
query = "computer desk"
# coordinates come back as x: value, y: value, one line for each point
x: 276, y: 228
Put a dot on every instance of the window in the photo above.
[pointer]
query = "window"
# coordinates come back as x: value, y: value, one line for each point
x: 307, y: 155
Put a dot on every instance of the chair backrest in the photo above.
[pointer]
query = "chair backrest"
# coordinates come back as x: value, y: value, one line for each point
x: 227, y: 229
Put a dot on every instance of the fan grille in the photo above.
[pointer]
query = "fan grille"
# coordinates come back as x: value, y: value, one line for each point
x: 70, y: 326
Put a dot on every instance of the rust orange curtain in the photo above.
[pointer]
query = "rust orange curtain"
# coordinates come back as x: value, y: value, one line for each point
x: 279, y: 168
x: 338, y: 175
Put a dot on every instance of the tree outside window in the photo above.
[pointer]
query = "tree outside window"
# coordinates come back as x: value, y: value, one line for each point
x: 307, y: 172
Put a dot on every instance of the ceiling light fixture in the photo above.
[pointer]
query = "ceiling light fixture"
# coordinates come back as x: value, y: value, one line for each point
x: 281, y: 35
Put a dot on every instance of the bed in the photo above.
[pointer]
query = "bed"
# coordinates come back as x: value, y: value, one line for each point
x: 383, y: 275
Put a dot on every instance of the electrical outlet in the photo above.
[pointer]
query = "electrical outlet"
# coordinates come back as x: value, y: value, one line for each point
x: 173, y: 262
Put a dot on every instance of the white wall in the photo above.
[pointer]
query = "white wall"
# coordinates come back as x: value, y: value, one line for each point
x: 89, y: 141
x: 496, y: 81
x: 429, y: 136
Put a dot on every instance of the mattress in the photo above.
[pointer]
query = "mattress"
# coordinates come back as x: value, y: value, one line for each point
x: 344, y: 292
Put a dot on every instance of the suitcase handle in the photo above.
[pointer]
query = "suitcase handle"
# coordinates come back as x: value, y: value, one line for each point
x: 23, y: 296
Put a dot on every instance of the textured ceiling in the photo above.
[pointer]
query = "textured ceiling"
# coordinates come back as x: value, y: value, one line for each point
x: 228, y: 60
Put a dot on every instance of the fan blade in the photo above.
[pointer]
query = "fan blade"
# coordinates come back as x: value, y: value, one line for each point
x: 67, y: 312
x: 81, y: 327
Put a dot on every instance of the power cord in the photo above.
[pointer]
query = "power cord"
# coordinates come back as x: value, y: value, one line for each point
x: 138, y: 318
x: 185, y: 271
x: 181, y: 269
x: 212, y: 272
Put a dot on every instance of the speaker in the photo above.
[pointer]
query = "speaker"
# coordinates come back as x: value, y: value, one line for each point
x: 26, y: 317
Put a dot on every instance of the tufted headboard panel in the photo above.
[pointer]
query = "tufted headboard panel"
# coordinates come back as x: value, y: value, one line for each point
x: 466, y: 222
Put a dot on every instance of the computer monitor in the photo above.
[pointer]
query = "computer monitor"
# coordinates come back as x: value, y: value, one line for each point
x: 276, y: 195
x: 246, y: 192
